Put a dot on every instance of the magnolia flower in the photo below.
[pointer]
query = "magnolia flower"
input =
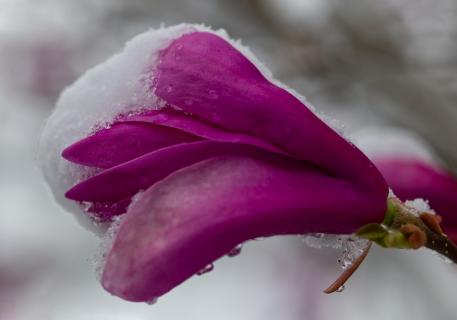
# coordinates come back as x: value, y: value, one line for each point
x: 187, y: 138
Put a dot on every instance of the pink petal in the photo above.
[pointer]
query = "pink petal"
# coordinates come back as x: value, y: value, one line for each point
x: 199, y: 213
x: 204, y: 75
x: 123, y: 142
x: 201, y: 128
x: 126, y: 179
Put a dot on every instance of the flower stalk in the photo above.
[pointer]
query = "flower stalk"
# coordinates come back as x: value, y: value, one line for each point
x: 403, y: 227
x: 426, y: 223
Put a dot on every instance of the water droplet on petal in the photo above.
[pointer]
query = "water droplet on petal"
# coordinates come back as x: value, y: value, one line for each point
x: 152, y: 301
x: 341, y: 289
x: 213, y: 94
x: 351, y: 246
x: 206, y: 269
x: 169, y: 88
x: 188, y: 102
x: 235, y: 251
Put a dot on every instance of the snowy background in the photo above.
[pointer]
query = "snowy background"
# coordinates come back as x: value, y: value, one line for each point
x: 365, y: 63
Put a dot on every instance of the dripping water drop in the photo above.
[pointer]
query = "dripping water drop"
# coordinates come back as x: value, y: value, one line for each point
x: 206, y: 269
x: 235, y: 251
x: 341, y: 289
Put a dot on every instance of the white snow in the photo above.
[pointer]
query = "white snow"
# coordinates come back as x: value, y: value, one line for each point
x: 352, y: 246
x: 99, y: 259
x: 420, y: 205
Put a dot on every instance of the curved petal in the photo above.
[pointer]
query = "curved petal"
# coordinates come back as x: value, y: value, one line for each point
x: 126, y: 179
x: 199, y: 213
x: 201, y: 128
x: 204, y: 75
x: 412, y: 178
x: 122, y: 142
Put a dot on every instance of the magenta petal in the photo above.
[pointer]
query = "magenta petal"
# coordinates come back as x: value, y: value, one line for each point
x: 204, y: 75
x: 201, y: 128
x: 199, y: 213
x: 123, y: 142
x: 126, y: 179
x: 104, y: 211
x: 412, y: 178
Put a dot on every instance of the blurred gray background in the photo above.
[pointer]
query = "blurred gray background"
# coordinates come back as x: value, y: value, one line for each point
x: 365, y: 63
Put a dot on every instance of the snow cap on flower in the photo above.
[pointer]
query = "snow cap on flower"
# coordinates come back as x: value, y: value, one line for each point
x: 193, y: 142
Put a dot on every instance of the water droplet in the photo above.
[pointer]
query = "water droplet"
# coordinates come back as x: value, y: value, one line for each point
x: 169, y: 88
x: 341, y: 289
x: 322, y: 240
x: 445, y: 259
x: 179, y: 47
x: 259, y: 238
x: 351, y: 246
x: 235, y: 251
x: 188, y: 102
x: 152, y: 301
x: 213, y: 94
x: 206, y: 269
